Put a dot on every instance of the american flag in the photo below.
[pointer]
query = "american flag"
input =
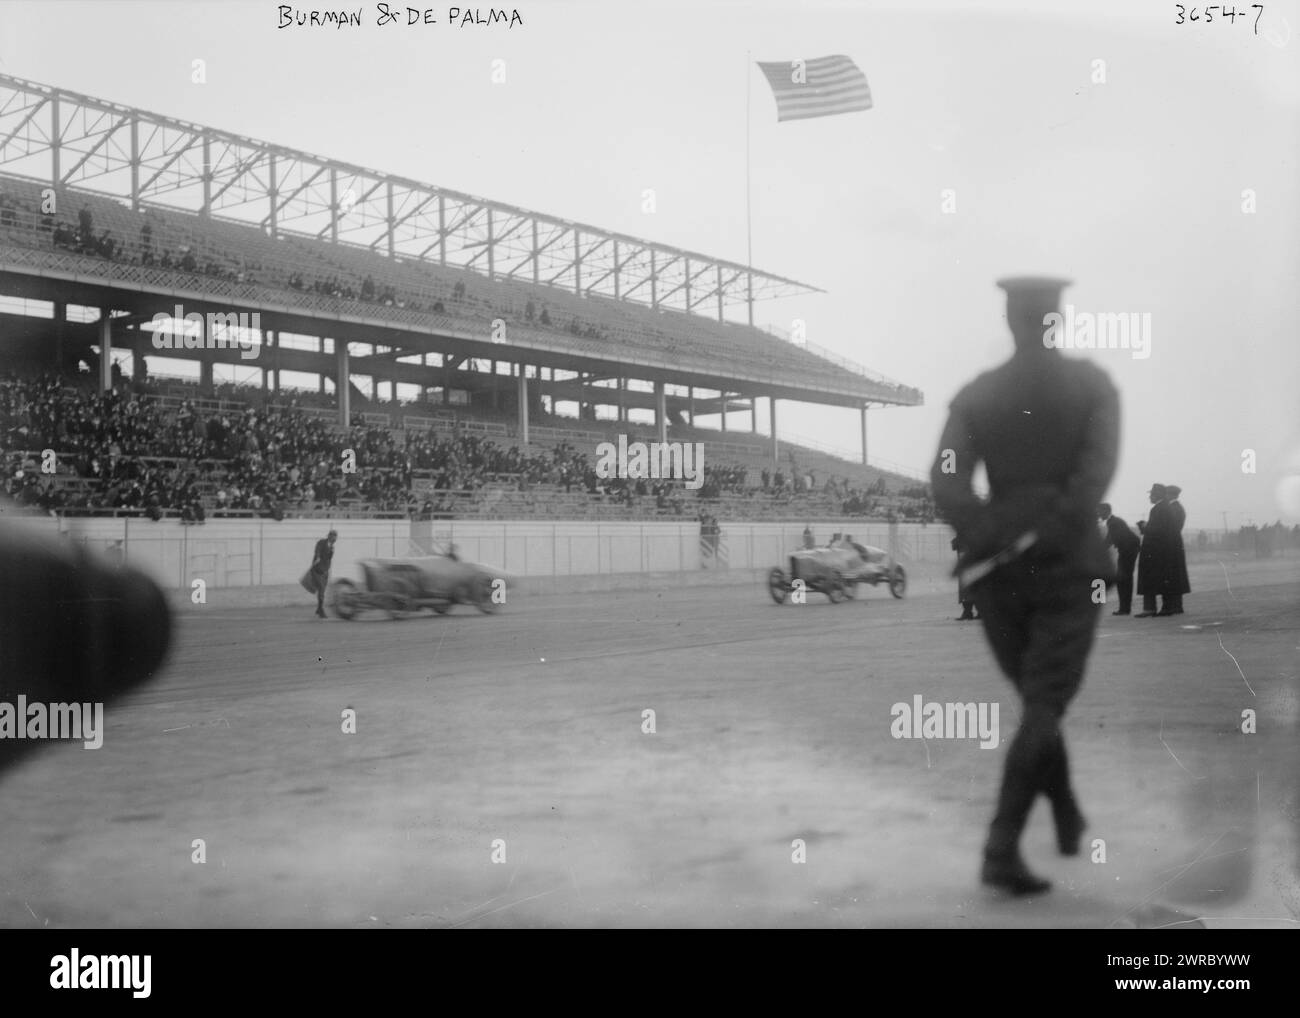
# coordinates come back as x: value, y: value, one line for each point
x: 821, y: 87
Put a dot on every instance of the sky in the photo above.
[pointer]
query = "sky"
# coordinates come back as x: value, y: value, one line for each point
x: 1153, y: 163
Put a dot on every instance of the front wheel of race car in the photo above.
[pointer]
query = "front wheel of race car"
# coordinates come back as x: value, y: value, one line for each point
x: 850, y: 589
x: 777, y: 585
x: 898, y: 582
x: 835, y: 589
x: 344, y: 598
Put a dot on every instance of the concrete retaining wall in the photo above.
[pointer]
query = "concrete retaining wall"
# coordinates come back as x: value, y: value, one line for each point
x: 264, y: 553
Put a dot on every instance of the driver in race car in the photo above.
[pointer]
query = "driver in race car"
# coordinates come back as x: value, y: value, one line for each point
x: 848, y: 540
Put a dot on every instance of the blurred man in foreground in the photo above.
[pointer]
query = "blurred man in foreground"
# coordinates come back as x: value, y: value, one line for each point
x: 1047, y: 430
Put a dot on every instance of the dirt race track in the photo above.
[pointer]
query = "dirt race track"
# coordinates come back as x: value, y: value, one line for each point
x: 772, y: 724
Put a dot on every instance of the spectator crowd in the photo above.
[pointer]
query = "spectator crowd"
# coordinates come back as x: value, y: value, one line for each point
x: 127, y: 450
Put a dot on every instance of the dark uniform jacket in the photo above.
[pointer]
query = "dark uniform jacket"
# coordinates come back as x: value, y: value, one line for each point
x: 1121, y: 537
x: 323, y: 557
x: 1159, y: 570
x: 1178, y: 516
x: 1046, y: 428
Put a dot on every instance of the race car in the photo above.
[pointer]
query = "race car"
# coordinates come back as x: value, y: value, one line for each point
x: 403, y: 586
x: 836, y: 570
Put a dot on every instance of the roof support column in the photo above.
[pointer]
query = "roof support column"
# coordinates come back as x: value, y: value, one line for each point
x: 537, y: 270
x: 207, y: 176
x: 273, y: 196
x: 771, y: 413
x: 523, y: 403
x: 577, y: 263
x: 135, y: 164
x: 661, y: 412
x: 105, y: 349
x: 56, y: 144
x: 342, y: 385
x: 864, y: 434
x: 391, y: 229
x: 60, y: 324
x: 334, y: 206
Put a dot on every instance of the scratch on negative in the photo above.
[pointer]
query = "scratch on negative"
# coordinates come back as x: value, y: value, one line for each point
x: 1199, y: 856
x: 509, y: 904
x: 1171, y: 752
x: 1234, y: 661
x: 1226, y: 580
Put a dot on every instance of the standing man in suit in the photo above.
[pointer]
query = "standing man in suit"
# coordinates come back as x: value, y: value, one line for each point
x: 1180, y: 584
x: 1046, y: 428
x: 320, y: 568
x: 1155, y: 560
x: 1126, y: 545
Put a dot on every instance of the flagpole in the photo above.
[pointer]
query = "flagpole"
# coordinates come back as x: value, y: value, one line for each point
x: 749, y: 229
x: 749, y: 235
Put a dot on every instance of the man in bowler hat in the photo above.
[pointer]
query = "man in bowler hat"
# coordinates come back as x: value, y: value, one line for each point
x: 1046, y: 428
x: 1126, y: 545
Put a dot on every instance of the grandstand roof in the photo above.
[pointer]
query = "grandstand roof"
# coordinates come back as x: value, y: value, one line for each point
x: 148, y: 158
x: 293, y: 214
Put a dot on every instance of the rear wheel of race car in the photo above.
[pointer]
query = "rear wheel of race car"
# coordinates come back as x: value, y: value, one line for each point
x: 777, y: 585
x: 850, y: 589
x: 441, y: 609
x: 835, y: 589
x: 898, y: 582
x: 484, y: 588
x: 343, y: 599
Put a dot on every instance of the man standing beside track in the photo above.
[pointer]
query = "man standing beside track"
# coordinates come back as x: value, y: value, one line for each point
x: 1047, y: 430
x: 1126, y: 545
x: 320, y: 568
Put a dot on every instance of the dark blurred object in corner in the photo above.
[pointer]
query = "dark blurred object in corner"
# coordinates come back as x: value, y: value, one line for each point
x: 73, y: 627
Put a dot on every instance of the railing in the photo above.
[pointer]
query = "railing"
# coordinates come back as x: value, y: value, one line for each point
x: 844, y: 362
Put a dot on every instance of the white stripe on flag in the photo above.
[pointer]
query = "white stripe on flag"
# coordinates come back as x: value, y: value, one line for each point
x: 829, y: 85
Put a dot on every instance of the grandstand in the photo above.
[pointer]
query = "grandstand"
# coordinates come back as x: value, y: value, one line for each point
x: 486, y: 316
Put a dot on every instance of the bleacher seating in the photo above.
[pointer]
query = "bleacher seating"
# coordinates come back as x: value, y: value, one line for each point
x: 494, y: 494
